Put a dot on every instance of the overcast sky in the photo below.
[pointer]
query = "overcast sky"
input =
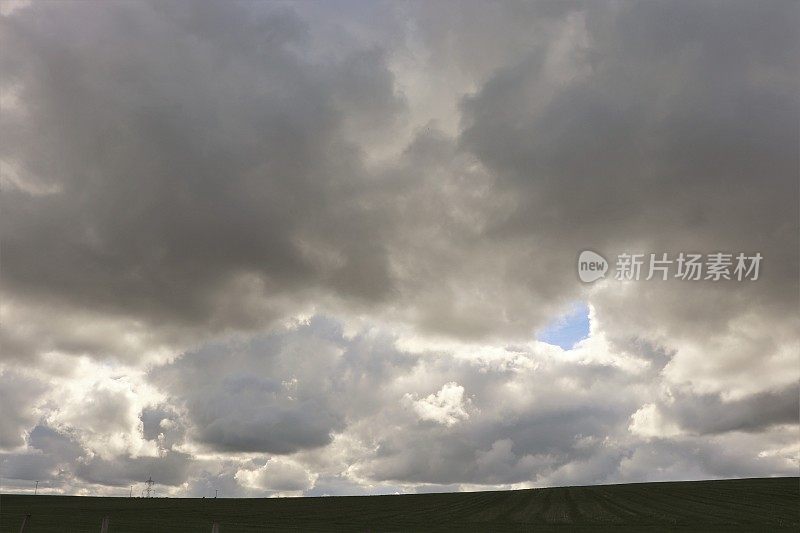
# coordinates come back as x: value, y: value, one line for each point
x: 330, y: 248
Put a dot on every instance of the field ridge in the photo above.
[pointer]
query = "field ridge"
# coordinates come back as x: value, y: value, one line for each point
x: 756, y: 504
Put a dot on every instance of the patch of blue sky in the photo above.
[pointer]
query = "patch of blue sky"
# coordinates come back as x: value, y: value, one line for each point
x: 568, y: 329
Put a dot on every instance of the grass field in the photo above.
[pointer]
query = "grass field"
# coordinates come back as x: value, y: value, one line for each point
x: 729, y: 505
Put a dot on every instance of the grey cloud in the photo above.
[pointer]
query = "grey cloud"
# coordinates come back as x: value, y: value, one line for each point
x: 276, y: 394
x: 710, y: 414
x: 54, y: 443
x: 171, y: 469
x: 216, y: 479
x: 18, y: 395
x: 728, y: 457
x: 106, y: 410
x: 338, y: 484
x: 48, y: 459
x: 674, y: 143
x: 27, y: 466
x: 507, y: 439
x: 189, y: 158
x: 57, y: 458
x: 162, y: 423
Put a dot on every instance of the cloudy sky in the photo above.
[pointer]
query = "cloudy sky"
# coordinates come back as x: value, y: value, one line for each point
x: 330, y: 248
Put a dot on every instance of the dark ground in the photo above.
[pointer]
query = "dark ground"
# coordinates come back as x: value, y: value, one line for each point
x: 729, y: 505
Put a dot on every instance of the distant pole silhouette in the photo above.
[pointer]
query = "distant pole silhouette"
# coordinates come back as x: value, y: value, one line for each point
x: 131, y: 494
x: 36, y: 489
x: 216, y: 492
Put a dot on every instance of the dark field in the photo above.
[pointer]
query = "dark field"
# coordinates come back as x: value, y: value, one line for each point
x: 730, y: 505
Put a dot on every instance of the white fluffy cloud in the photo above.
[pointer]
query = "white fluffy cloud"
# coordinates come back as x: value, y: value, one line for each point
x: 446, y: 407
x: 278, y: 475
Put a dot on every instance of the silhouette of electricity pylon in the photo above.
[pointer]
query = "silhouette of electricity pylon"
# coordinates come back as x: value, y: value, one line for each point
x: 149, y: 490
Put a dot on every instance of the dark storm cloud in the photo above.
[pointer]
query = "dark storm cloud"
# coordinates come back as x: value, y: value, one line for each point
x: 670, y: 133
x: 213, y: 178
x: 709, y: 414
x: 187, y: 156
